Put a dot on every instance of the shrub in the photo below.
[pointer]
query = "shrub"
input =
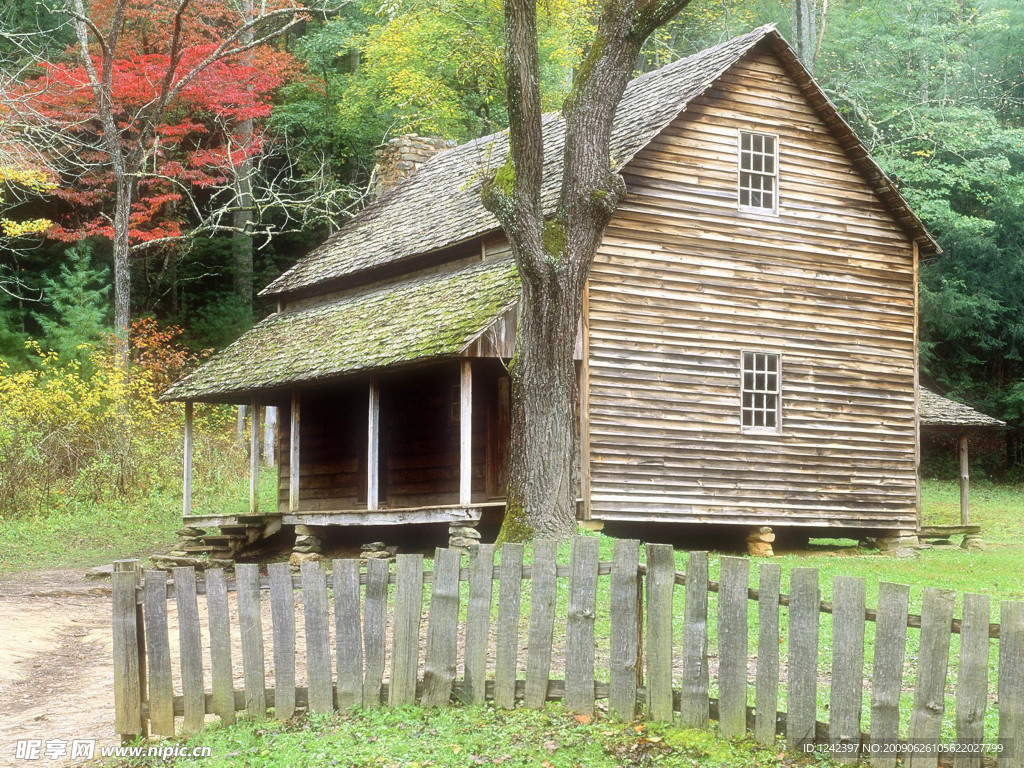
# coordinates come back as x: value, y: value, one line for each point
x: 87, y: 429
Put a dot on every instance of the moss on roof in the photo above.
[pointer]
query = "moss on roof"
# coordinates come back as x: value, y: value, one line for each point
x: 937, y: 411
x: 423, y: 318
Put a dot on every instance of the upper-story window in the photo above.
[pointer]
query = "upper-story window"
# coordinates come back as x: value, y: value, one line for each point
x: 761, y: 391
x: 759, y: 172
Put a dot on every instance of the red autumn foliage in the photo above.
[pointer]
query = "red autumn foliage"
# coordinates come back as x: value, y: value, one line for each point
x: 198, y: 144
x: 158, y: 350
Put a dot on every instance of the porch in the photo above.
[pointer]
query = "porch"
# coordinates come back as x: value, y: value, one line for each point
x: 423, y: 444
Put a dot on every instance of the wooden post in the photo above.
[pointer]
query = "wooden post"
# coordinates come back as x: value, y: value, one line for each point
x: 269, y: 434
x: 129, y: 658
x: 293, y: 455
x: 186, y: 486
x: 254, y: 457
x: 373, y: 446
x: 965, y: 482
x: 466, y: 435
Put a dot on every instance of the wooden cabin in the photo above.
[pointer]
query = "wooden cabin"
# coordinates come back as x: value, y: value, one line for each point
x: 748, y: 354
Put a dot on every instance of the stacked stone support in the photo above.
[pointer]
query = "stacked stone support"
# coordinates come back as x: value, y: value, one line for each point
x: 759, y: 542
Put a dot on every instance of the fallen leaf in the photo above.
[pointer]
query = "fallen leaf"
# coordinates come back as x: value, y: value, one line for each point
x: 583, y: 719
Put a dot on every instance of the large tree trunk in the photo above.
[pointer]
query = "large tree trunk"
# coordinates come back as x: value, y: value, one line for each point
x: 554, y: 253
x: 544, y: 459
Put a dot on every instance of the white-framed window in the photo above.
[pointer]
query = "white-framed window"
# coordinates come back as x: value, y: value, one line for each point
x: 759, y: 172
x: 761, y: 387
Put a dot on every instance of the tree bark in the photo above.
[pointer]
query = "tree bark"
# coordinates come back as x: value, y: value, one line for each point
x: 554, y: 254
x: 122, y: 263
x: 241, y: 246
x: 544, y: 456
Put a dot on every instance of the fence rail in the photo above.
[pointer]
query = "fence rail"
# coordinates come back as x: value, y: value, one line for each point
x: 658, y: 661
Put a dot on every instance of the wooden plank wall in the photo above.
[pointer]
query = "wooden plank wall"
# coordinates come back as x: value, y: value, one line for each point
x: 684, y: 282
x: 419, y: 445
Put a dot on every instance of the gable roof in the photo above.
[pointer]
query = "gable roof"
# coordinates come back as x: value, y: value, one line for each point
x: 425, y: 318
x: 440, y: 206
x: 934, y: 410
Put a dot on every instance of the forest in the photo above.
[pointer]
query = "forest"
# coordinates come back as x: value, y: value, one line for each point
x: 154, y: 179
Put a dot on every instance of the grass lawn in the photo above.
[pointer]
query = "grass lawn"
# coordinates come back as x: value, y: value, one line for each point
x: 81, y: 534
x: 85, y: 534
x: 458, y: 737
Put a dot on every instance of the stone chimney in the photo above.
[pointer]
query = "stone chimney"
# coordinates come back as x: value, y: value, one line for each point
x: 401, y: 157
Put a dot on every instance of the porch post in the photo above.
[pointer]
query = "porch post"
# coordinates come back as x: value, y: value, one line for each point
x: 466, y: 435
x: 254, y: 457
x: 186, y: 486
x: 293, y: 455
x: 965, y: 481
x: 269, y: 434
x: 373, y: 445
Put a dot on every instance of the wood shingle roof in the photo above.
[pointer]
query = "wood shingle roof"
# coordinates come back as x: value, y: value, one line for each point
x: 934, y: 410
x: 430, y: 317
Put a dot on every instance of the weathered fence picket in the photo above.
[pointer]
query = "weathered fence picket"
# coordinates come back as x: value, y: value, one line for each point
x: 318, y: 640
x: 543, y: 590
x: 405, y: 648
x: 624, y: 610
x: 847, y: 689
x: 694, y: 707
x: 802, y: 688
x: 579, y: 634
x: 972, y: 681
x: 250, y: 627
x: 220, y: 646
x: 128, y: 650
x: 509, y: 590
x: 766, y: 691
x: 643, y: 630
x: 1011, y: 684
x: 887, y: 674
x: 734, y: 579
x: 661, y: 579
x: 374, y: 628
x: 932, y: 663
x: 442, y: 630
x: 158, y: 655
x: 190, y: 647
x: 478, y: 623
x: 282, y: 616
x: 348, y: 634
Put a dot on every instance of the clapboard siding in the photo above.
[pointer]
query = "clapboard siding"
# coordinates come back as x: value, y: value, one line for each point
x: 684, y: 283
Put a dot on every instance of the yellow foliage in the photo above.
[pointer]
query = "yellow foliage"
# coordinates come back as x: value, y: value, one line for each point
x: 71, y: 429
x: 13, y: 229
x: 32, y: 180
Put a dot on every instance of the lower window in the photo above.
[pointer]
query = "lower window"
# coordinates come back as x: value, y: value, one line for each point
x: 761, y: 388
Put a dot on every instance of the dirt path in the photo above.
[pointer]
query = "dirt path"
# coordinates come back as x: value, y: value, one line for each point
x: 56, y: 677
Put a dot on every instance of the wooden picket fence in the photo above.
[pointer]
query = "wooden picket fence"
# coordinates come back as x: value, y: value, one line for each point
x: 649, y: 673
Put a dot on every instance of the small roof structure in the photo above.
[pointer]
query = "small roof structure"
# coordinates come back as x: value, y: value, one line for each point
x: 430, y: 317
x: 934, y: 410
